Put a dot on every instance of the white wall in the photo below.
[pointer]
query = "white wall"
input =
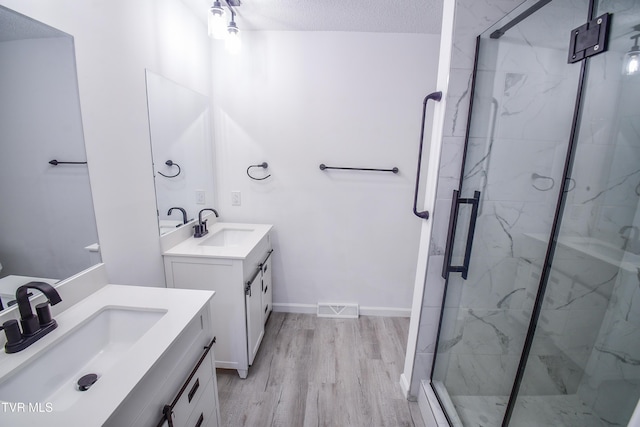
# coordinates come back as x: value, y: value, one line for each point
x: 292, y: 99
x: 115, y: 41
x: 298, y: 99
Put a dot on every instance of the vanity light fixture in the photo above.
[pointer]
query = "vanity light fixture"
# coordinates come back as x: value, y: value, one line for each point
x: 219, y: 30
x: 216, y: 22
x: 631, y: 62
x: 233, y: 42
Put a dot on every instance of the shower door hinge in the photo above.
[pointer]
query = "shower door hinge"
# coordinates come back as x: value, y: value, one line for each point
x: 589, y: 39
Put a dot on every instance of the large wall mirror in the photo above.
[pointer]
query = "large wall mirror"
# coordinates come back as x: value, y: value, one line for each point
x: 179, y: 124
x: 47, y: 222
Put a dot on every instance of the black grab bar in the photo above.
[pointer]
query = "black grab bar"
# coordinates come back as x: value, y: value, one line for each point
x: 436, y: 96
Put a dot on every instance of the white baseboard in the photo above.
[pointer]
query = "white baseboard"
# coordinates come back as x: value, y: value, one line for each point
x: 385, y: 311
x: 295, y: 308
x: 364, y: 311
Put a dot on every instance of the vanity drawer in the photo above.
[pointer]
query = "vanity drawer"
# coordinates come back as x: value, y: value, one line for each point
x: 267, y: 289
x: 194, y: 391
x: 204, y: 413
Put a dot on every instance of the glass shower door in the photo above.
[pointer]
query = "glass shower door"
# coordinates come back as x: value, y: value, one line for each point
x: 583, y: 368
x: 523, y: 102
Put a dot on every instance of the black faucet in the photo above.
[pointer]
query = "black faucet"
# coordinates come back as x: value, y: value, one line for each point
x: 201, y: 226
x: 34, y: 326
x: 184, y: 214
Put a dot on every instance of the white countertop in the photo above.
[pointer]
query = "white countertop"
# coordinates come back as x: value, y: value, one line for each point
x: 94, y: 408
x: 196, y: 247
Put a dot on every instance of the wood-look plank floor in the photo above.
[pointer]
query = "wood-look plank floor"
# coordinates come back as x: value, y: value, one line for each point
x: 313, y: 372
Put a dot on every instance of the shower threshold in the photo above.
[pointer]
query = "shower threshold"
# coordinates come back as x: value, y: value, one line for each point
x: 532, y: 411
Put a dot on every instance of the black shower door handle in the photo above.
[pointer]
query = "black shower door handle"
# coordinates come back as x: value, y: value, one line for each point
x: 451, y: 234
x: 436, y: 96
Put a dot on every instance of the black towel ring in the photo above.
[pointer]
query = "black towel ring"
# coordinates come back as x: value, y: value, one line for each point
x: 262, y: 165
x: 171, y: 163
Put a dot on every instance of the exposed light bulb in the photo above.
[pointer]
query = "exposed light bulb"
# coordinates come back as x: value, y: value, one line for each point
x: 233, y: 43
x: 631, y: 63
x: 216, y: 22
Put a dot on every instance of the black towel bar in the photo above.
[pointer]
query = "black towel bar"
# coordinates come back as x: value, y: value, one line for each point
x: 324, y: 167
x: 55, y: 162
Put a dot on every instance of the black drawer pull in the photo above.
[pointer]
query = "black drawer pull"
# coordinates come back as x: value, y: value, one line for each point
x: 266, y: 288
x: 264, y: 261
x: 168, y: 409
x: 194, y: 389
x: 200, y: 420
x: 266, y: 308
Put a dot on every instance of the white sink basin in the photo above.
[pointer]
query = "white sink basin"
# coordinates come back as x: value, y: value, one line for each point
x: 228, y: 237
x: 94, y: 346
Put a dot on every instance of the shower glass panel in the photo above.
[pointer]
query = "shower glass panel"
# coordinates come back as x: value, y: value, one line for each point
x: 523, y: 102
x: 584, y: 365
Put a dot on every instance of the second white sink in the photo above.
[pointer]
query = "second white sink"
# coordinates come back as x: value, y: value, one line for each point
x: 228, y: 240
x: 228, y: 237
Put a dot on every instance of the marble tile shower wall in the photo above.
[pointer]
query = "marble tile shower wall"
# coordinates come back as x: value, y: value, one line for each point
x: 532, y: 111
x: 611, y: 384
x: 610, y: 198
x: 472, y: 17
x: 590, y: 305
x: 606, y: 171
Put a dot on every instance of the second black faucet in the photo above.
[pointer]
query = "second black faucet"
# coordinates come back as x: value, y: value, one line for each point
x: 200, y: 229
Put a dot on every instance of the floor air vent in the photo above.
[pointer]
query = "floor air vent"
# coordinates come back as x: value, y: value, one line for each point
x: 340, y: 311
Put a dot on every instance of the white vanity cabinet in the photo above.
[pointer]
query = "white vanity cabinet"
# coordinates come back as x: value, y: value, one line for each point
x: 183, y: 378
x: 144, y: 408
x: 238, y: 309
x: 148, y: 347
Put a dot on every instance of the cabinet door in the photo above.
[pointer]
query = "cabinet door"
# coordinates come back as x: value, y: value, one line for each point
x: 228, y: 319
x: 267, y: 290
x: 255, y: 324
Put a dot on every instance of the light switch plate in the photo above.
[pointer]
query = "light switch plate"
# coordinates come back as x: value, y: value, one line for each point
x: 236, y: 198
x: 200, y: 197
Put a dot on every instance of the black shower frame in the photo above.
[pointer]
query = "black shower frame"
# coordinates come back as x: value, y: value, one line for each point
x: 546, y: 270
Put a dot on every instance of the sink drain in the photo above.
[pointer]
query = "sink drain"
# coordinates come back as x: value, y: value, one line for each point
x: 86, y: 381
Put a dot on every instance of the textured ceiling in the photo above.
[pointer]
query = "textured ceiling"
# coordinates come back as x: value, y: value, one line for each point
x: 378, y: 16
x: 14, y: 26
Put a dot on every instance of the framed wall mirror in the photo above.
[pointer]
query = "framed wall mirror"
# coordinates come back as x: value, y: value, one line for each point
x: 47, y: 222
x: 179, y: 125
